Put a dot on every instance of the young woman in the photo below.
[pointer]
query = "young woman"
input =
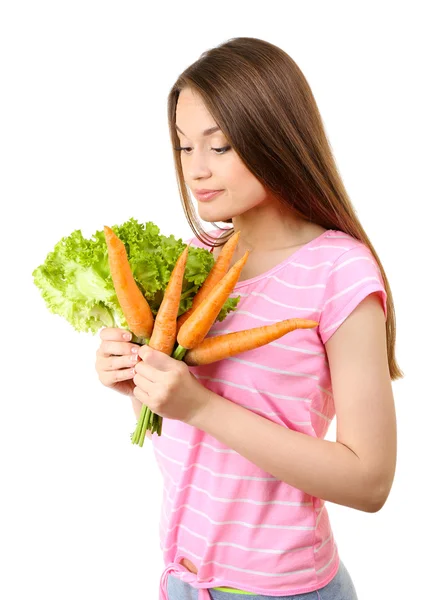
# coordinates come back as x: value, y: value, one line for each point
x: 246, y: 468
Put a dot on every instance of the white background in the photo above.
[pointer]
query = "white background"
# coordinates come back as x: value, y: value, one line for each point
x: 84, y: 142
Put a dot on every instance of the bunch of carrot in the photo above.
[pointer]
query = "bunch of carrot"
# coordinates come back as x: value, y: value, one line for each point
x: 190, y: 329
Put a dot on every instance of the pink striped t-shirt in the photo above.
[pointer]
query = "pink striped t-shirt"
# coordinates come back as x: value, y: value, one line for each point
x: 242, y: 527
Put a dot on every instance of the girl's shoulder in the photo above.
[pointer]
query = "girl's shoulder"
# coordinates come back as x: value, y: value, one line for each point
x: 352, y: 274
x: 333, y: 247
x: 340, y: 241
x: 344, y: 249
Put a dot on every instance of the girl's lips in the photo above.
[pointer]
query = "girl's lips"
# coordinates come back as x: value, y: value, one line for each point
x: 207, y: 196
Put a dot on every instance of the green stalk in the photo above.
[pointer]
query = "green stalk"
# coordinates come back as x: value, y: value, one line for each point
x: 138, y: 429
x: 154, y: 424
x: 144, y: 428
x: 179, y: 353
x: 133, y: 436
x: 138, y: 340
x: 189, y: 292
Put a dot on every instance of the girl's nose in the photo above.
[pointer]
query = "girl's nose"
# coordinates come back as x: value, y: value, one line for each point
x: 197, y: 166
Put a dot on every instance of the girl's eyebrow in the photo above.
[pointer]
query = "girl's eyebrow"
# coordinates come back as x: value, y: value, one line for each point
x: 206, y: 131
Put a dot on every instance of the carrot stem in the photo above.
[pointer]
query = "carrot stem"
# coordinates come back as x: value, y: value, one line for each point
x: 144, y: 427
x: 190, y: 291
x: 139, y: 340
x: 179, y: 353
x: 147, y: 420
x: 136, y: 433
x: 138, y: 429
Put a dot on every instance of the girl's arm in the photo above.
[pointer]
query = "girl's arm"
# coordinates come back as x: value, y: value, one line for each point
x: 358, y: 469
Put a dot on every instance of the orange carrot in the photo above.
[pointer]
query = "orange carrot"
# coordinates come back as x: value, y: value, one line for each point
x: 196, y: 327
x: 134, y: 305
x: 217, y: 272
x: 163, y: 336
x: 218, y: 347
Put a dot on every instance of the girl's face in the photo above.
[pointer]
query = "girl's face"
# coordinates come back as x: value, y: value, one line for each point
x: 209, y: 163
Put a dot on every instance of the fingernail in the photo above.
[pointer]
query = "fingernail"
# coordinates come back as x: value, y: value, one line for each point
x: 135, y: 349
x: 127, y: 336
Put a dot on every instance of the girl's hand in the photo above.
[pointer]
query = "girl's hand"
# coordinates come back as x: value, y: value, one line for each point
x: 116, y: 359
x: 167, y: 386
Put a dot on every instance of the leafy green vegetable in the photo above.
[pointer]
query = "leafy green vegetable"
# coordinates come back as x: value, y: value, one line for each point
x: 76, y: 284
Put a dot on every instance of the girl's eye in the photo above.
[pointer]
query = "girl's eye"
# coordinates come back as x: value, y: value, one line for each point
x: 182, y: 149
x: 216, y: 150
x: 222, y: 150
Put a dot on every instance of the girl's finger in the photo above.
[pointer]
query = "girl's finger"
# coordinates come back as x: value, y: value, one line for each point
x: 150, y: 373
x: 109, y: 348
x: 141, y: 395
x: 144, y: 384
x: 108, y: 378
x: 113, y: 363
x: 115, y: 334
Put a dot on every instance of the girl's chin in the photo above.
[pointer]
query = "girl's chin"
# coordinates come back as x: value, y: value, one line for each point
x: 211, y: 215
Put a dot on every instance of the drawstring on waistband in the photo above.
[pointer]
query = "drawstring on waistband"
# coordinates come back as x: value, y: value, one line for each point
x: 184, y: 575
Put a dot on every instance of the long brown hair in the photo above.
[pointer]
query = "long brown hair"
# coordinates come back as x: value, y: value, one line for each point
x: 263, y: 104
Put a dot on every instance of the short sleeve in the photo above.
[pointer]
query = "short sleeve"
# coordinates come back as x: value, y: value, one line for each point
x: 353, y: 276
